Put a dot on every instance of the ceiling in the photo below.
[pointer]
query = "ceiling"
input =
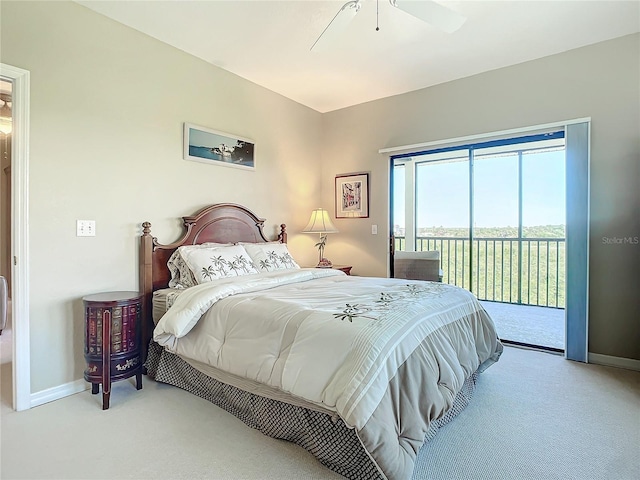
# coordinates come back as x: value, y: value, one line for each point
x: 268, y: 42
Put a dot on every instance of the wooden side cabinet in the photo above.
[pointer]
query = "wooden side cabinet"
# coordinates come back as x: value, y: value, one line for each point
x: 112, y: 337
x: 344, y: 268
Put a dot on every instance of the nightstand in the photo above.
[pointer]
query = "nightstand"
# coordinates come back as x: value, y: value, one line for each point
x: 112, y: 337
x: 343, y: 268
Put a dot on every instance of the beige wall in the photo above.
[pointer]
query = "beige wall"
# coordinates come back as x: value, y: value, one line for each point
x: 601, y: 81
x: 107, y: 108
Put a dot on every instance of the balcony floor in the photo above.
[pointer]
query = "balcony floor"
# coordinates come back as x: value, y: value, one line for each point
x: 534, y: 325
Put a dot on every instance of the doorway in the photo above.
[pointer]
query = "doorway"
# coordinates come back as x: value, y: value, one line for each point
x: 6, y: 336
x: 19, y: 253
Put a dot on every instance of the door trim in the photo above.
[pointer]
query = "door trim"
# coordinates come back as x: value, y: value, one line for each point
x: 20, y: 235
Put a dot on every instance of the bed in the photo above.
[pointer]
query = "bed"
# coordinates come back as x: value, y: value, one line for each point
x: 359, y: 371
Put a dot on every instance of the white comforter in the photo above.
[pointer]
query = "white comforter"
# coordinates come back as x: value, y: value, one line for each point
x: 332, y: 340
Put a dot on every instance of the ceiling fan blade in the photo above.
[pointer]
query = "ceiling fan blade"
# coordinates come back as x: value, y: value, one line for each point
x: 336, y: 26
x: 432, y: 13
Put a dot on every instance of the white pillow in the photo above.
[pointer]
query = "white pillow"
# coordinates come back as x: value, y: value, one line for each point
x: 270, y: 256
x: 181, y: 274
x: 208, y: 264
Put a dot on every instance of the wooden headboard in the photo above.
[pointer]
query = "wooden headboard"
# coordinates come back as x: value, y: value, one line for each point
x: 220, y: 223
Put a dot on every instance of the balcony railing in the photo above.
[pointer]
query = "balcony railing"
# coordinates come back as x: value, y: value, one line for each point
x: 527, y: 271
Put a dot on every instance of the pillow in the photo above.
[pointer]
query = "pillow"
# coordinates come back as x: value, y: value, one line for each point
x: 181, y: 274
x: 208, y: 264
x: 270, y: 256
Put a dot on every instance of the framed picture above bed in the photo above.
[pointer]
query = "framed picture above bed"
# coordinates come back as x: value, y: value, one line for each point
x: 202, y: 144
x: 352, y: 195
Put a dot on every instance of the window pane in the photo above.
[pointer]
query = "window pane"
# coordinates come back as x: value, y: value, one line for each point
x: 495, y: 202
x: 543, y: 194
x: 442, y: 213
x: 495, y: 228
x: 442, y: 199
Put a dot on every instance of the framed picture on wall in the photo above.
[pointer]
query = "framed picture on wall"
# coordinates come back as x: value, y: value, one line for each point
x: 202, y: 144
x: 352, y: 195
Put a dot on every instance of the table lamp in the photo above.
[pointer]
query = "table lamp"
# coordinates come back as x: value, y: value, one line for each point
x: 321, y: 223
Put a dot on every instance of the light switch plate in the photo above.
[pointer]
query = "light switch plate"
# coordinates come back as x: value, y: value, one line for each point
x: 85, y: 228
x: 374, y: 229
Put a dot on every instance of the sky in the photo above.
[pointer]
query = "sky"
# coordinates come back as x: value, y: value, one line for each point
x: 443, y: 192
x: 199, y: 138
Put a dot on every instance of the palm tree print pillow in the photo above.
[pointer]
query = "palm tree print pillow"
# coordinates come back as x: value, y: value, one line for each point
x: 208, y: 264
x: 268, y: 257
x: 181, y: 274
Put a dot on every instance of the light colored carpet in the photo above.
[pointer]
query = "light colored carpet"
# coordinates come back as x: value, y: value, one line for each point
x: 538, y: 416
x: 534, y: 416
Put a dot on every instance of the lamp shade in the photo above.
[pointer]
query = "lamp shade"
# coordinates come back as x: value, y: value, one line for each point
x: 320, y: 222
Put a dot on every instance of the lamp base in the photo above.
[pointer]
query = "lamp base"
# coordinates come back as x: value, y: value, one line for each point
x: 324, y: 263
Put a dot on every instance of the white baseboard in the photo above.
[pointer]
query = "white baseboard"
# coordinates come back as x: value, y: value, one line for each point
x: 55, y: 393
x: 628, y: 363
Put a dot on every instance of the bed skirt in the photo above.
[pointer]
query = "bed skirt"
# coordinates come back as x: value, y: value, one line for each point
x: 325, y: 436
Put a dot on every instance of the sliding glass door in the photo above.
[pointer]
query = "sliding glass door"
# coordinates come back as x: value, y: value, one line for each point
x: 496, y: 213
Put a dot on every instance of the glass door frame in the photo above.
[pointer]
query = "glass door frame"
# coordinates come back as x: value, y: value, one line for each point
x: 577, y: 159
